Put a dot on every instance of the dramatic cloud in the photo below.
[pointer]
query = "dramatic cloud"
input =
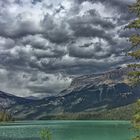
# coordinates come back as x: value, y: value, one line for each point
x: 44, y: 43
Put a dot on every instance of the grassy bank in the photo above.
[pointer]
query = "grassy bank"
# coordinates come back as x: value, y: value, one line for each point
x: 120, y: 113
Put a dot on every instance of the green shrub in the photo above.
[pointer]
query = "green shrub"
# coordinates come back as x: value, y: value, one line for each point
x: 45, y: 134
x: 136, y: 121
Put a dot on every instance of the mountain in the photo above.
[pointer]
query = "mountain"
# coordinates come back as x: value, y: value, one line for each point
x: 96, y: 94
x: 32, y: 98
x: 8, y: 100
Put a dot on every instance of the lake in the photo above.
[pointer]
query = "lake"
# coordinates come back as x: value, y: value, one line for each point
x: 67, y: 130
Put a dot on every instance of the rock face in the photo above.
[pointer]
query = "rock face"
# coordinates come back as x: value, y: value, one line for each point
x: 106, y: 90
x: 88, y: 93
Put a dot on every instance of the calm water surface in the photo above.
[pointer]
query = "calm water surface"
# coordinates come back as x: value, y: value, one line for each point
x: 67, y: 130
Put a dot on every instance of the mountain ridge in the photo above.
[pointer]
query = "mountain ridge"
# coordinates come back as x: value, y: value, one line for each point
x: 87, y: 94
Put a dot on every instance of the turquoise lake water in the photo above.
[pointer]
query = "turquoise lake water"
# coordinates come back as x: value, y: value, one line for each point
x: 67, y: 130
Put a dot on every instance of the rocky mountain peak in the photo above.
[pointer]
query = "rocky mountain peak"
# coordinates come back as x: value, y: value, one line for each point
x: 109, y: 77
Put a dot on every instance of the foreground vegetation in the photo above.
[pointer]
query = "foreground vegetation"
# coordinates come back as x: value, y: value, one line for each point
x: 136, y: 121
x: 134, y: 75
x: 45, y: 134
x: 5, y: 117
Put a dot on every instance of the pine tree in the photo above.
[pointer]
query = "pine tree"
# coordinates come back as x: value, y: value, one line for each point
x: 134, y: 75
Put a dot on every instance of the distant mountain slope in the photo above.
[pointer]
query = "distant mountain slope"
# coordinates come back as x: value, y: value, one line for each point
x: 87, y: 94
x: 9, y: 103
x: 8, y: 100
x: 32, y: 98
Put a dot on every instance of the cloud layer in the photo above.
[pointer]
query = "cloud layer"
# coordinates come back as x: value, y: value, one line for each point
x: 44, y: 43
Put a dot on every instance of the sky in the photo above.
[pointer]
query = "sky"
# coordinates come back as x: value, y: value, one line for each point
x: 46, y: 43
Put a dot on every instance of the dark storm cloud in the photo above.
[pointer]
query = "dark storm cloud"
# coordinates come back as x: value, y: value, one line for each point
x: 92, y: 50
x: 91, y: 18
x: 121, y: 5
x: 57, y: 33
x: 91, y: 25
x: 43, y: 43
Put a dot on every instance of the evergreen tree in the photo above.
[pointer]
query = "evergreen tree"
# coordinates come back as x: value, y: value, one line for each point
x: 134, y: 75
x: 136, y: 121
